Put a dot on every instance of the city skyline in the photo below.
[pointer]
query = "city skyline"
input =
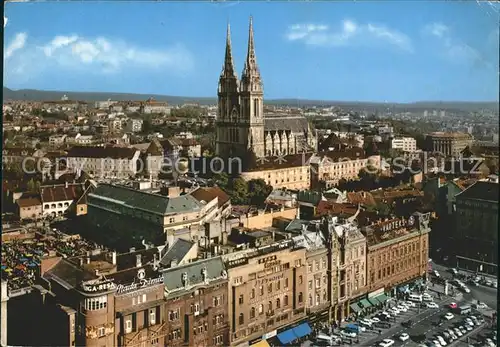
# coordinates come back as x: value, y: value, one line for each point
x: 315, y: 51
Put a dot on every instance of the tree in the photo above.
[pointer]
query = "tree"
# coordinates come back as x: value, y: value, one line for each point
x: 258, y: 190
x: 222, y: 179
x: 238, y: 191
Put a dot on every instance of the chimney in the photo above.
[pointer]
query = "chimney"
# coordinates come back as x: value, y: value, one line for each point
x: 113, y: 258
x: 173, y: 263
x: 66, y: 184
x: 97, y: 272
x: 81, y: 261
x: 132, y: 249
x: 88, y: 257
x: 138, y: 260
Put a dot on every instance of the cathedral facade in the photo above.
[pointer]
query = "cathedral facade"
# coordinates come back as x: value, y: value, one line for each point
x: 242, y: 126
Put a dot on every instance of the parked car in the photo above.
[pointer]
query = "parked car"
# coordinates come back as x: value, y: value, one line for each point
x: 383, y: 325
x: 453, y: 305
x: 480, y: 305
x: 449, y: 316
x: 350, y: 334
x: 407, y: 324
x: 404, y: 336
x: 410, y: 304
x: 432, y: 305
x: 386, y: 343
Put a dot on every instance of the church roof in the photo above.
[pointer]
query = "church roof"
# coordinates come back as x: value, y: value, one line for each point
x: 294, y: 124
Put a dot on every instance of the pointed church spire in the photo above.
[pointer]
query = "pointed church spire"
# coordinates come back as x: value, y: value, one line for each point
x: 251, y: 67
x: 228, y: 70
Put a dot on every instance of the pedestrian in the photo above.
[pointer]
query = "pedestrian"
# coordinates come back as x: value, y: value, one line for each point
x: 380, y: 332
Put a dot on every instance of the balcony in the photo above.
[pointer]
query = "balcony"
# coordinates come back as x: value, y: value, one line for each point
x: 270, y: 313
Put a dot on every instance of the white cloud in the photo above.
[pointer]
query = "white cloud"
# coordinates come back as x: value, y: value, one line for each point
x: 18, y: 43
x: 5, y: 20
x: 92, y: 55
x: 436, y: 29
x: 454, y: 49
x: 350, y: 32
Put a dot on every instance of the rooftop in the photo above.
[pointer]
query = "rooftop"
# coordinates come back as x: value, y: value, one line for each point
x: 481, y: 190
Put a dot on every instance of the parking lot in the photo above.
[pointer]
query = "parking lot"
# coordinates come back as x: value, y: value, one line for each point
x: 426, y: 324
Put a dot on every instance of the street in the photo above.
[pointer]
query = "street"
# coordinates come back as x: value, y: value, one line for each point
x: 488, y: 295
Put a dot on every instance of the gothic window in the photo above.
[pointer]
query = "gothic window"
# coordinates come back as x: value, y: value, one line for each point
x: 256, y: 108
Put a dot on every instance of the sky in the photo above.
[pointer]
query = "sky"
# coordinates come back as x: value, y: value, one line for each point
x: 392, y: 51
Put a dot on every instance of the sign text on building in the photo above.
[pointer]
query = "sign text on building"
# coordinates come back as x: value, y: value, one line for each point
x: 141, y: 284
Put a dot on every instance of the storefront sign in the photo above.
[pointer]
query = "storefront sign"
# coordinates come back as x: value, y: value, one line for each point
x: 269, y: 335
x: 393, y: 233
x: 140, y: 284
x: 97, y: 286
x: 395, y: 224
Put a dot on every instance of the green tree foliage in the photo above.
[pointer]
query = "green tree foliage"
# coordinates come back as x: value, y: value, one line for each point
x: 258, y: 190
x: 238, y: 191
x: 253, y: 192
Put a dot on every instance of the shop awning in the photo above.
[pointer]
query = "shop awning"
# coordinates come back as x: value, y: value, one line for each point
x: 374, y: 301
x: 287, y: 336
x: 355, y: 307
x: 262, y: 343
x: 365, y: 303
x: 302, y: 330
x: 382, y: 298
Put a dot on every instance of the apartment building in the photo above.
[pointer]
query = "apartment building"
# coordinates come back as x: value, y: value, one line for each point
x: 328, y: 168
x: 196, y: 307
x: 405, y: 144
x: 397, y: 252
x: 350, y: 256
x: 105, y: 162
x: 290, y: 171
x: 267, y: 291
x: 449, y: 144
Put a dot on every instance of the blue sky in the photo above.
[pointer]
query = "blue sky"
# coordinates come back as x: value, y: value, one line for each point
x: 395, y: 51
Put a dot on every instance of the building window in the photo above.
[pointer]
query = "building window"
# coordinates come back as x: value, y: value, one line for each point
x: 261, y: 309
x: 286, y: 282
x: 261, y: 290
x: 152, y: 316
x: 317, y: 266
x: 241, y: 319
x: 128, y: 326
x: 310, y: 267
x: 252, y: 294
x: 252, y: 313
x: 173, y: 315
x: 285, y: 300
x: 217, y: 301
x: 323, y: 262
x: 101, y: 332
x: 278, y: 284
x: 98, y: 303
x: 278, y: 303
x: 300, y: 279
x: 300, y: 297
x: 241, y: 299
x: 269, y: 287
x: 310, y: 284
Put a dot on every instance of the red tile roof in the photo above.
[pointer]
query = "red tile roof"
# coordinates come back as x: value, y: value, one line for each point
x: 29, y: 202
x: 61, y: 192
x: 208, y: 194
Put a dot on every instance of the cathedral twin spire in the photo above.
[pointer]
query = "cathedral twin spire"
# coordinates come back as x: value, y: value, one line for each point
x: 250, y: 68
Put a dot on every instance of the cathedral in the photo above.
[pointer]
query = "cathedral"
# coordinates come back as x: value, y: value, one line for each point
x: 242, y: 126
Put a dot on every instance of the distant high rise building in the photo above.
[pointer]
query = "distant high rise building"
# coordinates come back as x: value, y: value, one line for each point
x: 442, y: 113
x: 426, y: 114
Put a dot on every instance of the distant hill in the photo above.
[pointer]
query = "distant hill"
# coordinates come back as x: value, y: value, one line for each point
x: 46, y: 95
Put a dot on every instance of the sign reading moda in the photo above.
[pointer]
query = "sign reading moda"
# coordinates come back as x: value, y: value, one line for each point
x: 142, y: 283
x: 106, y: 285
